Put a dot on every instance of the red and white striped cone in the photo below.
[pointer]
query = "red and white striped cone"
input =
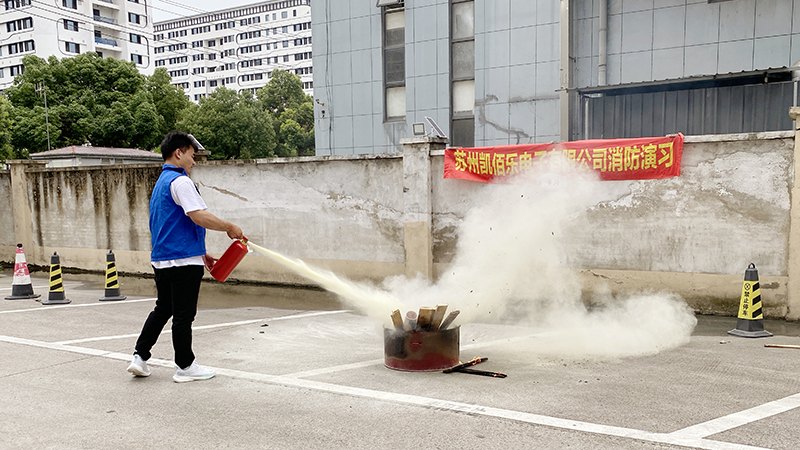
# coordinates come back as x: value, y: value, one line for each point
x: 21, y: 287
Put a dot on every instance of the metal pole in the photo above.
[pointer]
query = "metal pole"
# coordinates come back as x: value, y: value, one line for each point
x: 602, y: 49
x: 586, y: 117
x: 41, y: 87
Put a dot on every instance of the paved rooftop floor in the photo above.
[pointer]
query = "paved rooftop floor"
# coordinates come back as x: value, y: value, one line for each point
x: 296, y: 370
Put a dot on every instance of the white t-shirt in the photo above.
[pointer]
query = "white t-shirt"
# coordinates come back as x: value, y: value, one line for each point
x: 185, y: 194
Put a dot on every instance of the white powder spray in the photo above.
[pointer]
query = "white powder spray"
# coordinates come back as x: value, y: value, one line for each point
x: 510, y: 266
x: 366, y: 299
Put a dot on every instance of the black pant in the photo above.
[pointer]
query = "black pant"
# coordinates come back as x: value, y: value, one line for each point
x: 178, y: 288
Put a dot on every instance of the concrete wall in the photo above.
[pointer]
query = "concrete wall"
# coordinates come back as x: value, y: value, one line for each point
x: 342, y: 214
x: 693, y: 235
x: 664, y: 39
x: 371, y: 217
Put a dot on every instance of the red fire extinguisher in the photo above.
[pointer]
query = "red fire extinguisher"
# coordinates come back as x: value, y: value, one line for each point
x: 229, y: 260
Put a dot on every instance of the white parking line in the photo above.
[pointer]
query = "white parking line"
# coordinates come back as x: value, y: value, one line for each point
x: 415, y: 400
x: 740, y: 418
x: 207, y: 327
x: 80, y: 305
x: 46, y: 287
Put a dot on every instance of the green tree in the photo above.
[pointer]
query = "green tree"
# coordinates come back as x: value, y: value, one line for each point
x: 29, y: 130
x: 284, y: 90
x: 6, y: 150
x: 231, y: 126
x: 169, y: 100
x: 103, y: 101
x: 293, y: 110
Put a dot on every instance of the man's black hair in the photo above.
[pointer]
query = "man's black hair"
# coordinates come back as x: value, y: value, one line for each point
x: 173, y: 141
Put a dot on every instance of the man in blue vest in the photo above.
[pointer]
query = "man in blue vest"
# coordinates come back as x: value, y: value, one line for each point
x: 178, y: 222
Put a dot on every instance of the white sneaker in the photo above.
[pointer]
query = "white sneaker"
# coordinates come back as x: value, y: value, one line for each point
x: 194, y: 372
x: 139, y: 367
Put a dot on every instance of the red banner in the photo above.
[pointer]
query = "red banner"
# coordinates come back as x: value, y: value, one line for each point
x: 615, y: 159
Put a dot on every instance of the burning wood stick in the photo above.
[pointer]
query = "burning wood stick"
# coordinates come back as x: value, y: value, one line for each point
x: 450, y: 318
x: 411, y: 321
x: 471, y: 362
x: 424, y: 318
x: 485, y: 373
x: 781, y: 346
x: 438, y: 316
x: 397, y: 319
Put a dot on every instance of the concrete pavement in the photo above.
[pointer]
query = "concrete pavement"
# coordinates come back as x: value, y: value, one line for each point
x: 296, y: 370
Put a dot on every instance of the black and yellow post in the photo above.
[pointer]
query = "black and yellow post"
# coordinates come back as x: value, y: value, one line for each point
x: 112, y: 280
x: 56, y: 294
x: 750, y: 322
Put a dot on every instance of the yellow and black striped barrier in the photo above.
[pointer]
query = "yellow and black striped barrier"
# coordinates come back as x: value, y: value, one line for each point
x: 750, y: 321
x: 56, y: 294
x: 112, y: 292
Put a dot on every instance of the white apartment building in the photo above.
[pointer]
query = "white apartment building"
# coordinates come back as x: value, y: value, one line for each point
x: 237, y: 47
x: 120, y: 29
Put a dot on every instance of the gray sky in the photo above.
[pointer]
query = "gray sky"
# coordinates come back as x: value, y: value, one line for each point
x: 170, y: 9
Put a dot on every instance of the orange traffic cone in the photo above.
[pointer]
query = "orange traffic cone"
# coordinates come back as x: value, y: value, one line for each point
x: 750, y: 322
x: 21, y: 287
x: 56, y: 295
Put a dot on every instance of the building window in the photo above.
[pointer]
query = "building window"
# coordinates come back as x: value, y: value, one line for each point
x: 284, y: 14
x: 72, y: 47
x: 16, y: 70
x: 462, y: 73
x: 21, y: 47
x: 70, y: 25
x: 134, y: 18
x: 137, y: 59
x: 14, y: 4
x: 72, y: 4
x: 394, y: 63
x: 19, y: 24
x: 136, y: 38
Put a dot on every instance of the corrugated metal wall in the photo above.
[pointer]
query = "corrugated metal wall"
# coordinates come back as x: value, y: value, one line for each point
x: 711, y: 110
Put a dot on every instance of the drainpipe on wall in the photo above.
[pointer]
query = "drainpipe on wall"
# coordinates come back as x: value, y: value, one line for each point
x: 796, y: 79
x: 602, y: 41
x: 565, y: 71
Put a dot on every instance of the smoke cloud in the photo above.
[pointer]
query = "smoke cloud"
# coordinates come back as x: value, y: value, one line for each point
x: 510, y: 266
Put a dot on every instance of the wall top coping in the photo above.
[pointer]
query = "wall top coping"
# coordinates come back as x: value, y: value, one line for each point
x: 765, y: 135
x: 760, y: 136
x: 42, y: 167
x: 417, y: 140
x: 25, y: 162
x: 299, y: 159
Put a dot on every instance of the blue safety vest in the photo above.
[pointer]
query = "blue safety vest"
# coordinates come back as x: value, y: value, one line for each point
x: 174, y: 235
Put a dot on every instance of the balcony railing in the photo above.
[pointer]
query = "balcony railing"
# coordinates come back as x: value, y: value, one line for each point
x: 106, y: 41
x: 105, y: 19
